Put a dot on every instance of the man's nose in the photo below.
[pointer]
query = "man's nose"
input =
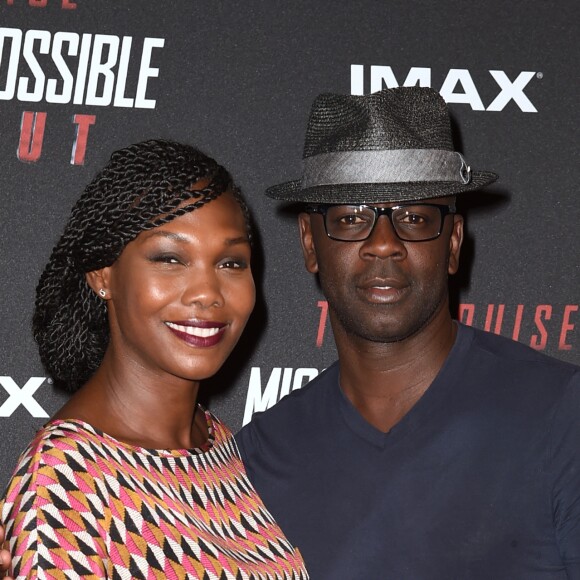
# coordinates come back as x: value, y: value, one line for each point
x: 383, y: 241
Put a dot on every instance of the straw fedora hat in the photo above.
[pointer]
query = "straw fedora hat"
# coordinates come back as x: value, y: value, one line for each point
x: 394, y: 145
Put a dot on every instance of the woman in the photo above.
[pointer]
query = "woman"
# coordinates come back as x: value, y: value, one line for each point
x: 145, y: 295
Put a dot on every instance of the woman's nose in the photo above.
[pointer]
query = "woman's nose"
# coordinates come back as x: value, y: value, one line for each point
x: 203, y: 288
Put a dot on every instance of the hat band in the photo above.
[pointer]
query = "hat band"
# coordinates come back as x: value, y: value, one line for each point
x: 385, y: 166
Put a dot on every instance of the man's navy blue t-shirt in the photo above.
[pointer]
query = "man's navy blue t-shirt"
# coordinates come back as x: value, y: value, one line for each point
x: 481, y: 479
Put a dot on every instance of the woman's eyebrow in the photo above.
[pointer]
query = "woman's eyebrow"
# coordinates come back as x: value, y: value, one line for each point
x: 170, y: 235
x: 238, y: 240
x: 181, y: 238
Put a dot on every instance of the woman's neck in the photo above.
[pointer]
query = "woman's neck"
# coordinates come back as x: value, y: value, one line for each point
x: 140, y: 407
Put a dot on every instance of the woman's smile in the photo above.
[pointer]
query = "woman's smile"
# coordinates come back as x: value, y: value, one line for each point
x: 198, y: 333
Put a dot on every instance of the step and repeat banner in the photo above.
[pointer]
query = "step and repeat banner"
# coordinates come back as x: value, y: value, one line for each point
x: 79, y: 79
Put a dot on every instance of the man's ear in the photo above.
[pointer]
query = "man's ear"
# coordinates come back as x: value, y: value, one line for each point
x: 307, y: 242
x: 455, y: 242
x: 99, y: 281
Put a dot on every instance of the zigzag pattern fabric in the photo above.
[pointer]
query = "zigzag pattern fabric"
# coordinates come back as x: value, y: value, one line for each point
x: 83, y: 505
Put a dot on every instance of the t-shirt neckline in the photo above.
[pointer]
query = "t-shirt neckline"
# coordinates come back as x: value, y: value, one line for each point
x: 446, y: 380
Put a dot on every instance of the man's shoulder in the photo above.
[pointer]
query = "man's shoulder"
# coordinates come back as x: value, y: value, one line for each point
x: 516, y: 353
x: 501, y: 361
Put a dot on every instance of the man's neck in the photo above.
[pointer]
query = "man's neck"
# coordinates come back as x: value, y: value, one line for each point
x: 385, y: 380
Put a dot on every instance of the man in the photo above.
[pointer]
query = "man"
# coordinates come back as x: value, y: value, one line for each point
x: 430, y: 450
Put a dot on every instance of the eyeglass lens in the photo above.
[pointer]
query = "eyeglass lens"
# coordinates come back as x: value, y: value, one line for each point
x: 411, y: 223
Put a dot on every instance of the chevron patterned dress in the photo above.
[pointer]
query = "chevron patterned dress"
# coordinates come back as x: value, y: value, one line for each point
x: 82, y: 504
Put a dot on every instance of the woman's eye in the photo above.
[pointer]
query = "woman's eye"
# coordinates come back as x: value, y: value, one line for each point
x: 234, y: 264
x: 166, y: 259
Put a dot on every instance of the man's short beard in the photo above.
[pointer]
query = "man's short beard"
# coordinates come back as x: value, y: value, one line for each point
x: 353, y: 328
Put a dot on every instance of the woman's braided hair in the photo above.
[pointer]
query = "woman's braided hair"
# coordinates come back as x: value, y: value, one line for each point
x: 143, y: 186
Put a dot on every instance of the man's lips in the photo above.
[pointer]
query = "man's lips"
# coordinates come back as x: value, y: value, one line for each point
x: 198, y: 332
x: 394, y: 283
x: 383, y: 290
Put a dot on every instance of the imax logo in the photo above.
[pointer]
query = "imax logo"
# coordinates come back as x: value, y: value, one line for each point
x: 458, y: 86
x: 21, y: 396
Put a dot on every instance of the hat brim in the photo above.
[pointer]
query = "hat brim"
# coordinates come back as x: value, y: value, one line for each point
x: 377, y: 192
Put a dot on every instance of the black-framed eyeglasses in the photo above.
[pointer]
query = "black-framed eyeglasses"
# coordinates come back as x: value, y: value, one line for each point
x: 412, y: 222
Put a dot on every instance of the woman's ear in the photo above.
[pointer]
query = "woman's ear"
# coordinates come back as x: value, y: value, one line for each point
x: 98, y: 280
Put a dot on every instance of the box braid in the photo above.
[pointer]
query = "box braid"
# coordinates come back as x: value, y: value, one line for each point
x: 143, y: 186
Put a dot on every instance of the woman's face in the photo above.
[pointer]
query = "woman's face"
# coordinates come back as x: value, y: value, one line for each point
x: 180, y: 294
